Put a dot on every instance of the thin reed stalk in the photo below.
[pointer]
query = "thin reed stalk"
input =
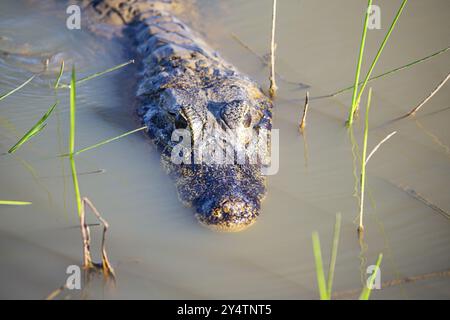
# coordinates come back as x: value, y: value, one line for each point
x: 379, y: 145
x: 98, y: 74
x: 107, y: 268
x: 110, y: 140
x: 72, y: 142
x: 363, y: 165
x: 3, y: 96
x: 375, y: 60
x: 73, y: 97
x: 358, y: 66
x: 14, y: 203
x: 58, y: 79
x: 403, y: 67
x: 441, y: 84
x: 273, y: 86
x: 104, y: 142
x: 305, y: 111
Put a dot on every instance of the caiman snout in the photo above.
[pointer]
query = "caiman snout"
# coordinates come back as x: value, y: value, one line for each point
x: 231, y: 214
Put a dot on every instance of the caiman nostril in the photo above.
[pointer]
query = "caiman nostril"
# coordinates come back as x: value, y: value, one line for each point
x: 234, y: 207
x: 230, y: 214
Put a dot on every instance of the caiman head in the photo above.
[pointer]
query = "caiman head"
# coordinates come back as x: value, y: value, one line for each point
x: 226, y: 144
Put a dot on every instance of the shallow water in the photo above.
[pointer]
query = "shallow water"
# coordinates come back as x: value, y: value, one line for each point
x: 156, y: 246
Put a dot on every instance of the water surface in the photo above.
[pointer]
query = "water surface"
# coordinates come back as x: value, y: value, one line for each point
x: 155, y: 244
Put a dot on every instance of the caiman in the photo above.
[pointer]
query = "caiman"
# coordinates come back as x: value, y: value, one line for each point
x: 184, y: 84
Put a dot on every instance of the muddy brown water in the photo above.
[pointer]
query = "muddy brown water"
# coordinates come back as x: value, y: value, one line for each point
x: 156, y: 246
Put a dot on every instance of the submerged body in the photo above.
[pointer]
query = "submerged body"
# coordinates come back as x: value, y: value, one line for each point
x: 187, y: 92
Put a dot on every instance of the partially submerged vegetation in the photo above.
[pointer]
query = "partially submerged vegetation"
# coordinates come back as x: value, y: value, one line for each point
x: 38, y: 127
x: 273, y: 86
x: 358, y: 66
x: 3, y: 96
x: 441, y: 84
x: 357, y: 94
x: 325, y: 286
x: 14, y: 203
x: 392, y: 71
x: 7, y: 94
x: 363, y: 166
x: 305, y: 111
x: 82, y: 203
x: 92, y: 76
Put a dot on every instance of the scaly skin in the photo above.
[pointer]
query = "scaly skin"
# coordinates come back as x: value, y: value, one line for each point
x: 185, y: 84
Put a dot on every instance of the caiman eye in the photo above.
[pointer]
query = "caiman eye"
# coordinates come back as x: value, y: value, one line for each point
x: 247, y: 120
x: 180, y: 122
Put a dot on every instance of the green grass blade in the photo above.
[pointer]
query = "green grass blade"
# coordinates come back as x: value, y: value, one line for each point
x: 110, y: 140
x: 98, y: 74
x: 337, y: 230
x: 358, y: 66
x: 38, y: 127
x: 403, y: 67
x: 61, y: 70
x: 76, y: 185
x: 72, y: 141
x: 3, y: 96
x: 73, y: 94
x: 365, y: 294
x: 375, y: 60
x: 26, y: 137
x: 14, y: 203
x: 319, y: 267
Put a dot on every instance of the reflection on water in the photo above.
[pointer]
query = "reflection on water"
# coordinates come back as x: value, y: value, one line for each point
x: 156, y: 247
